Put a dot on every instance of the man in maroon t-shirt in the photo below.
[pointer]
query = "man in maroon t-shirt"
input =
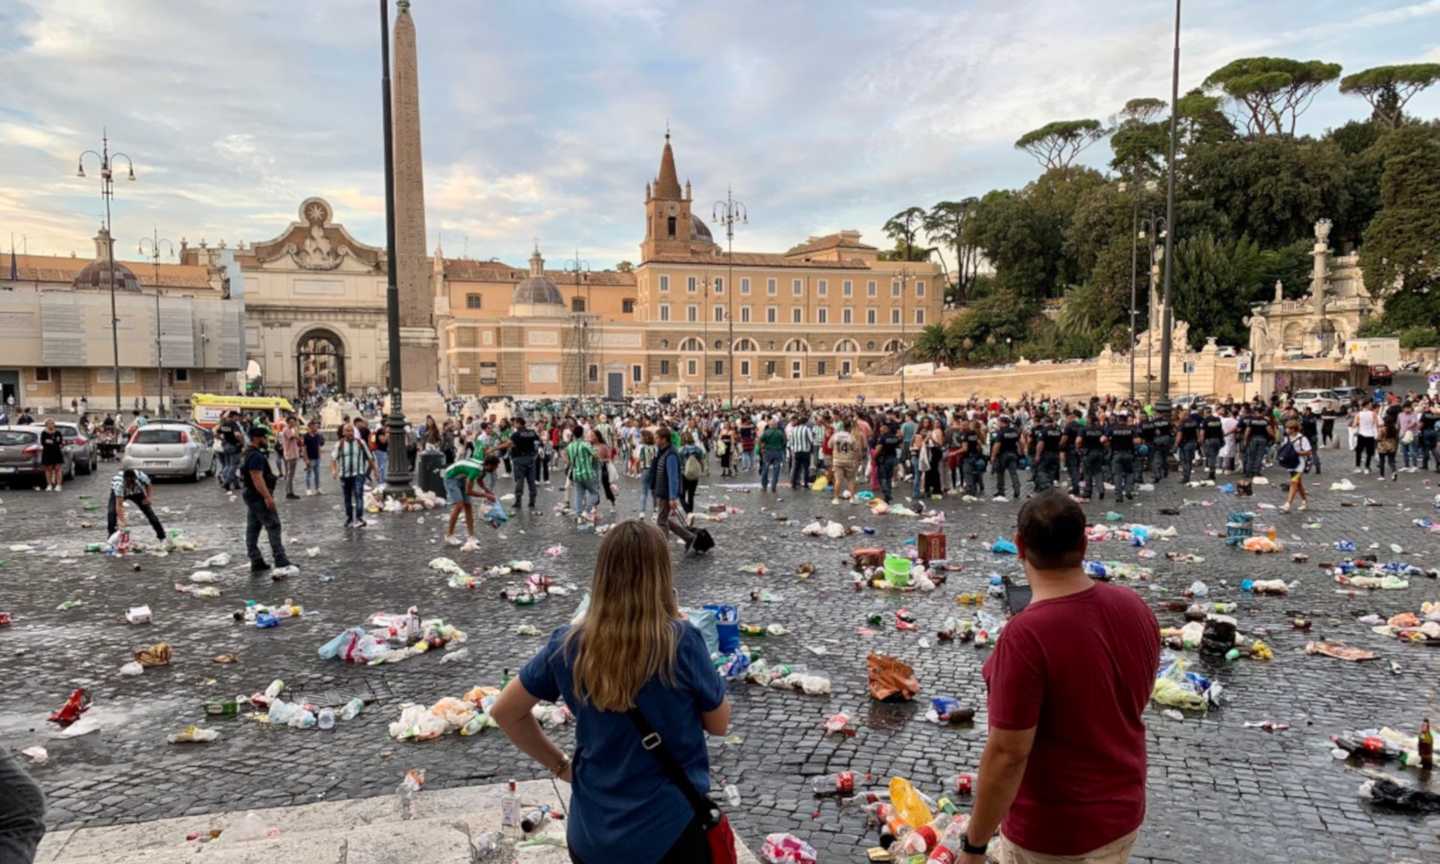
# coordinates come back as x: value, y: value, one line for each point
x: 1064, y: 766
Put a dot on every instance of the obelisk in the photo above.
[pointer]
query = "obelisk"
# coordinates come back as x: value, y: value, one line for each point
x: 419, y: 357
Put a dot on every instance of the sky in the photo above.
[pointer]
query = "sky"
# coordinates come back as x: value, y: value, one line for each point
x: 542, y: 120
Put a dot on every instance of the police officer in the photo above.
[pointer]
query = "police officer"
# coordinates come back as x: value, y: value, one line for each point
x: 1162, y: 428
x: 1093, y: 453
x: 1005, y: 455
x: 1190, y: 427
x: 1070, y: 446
x: 972, y: 459
x: 1125, y: 438
x: 1256, y: 425
x: 1047, y: 453
x: 1429, y: 435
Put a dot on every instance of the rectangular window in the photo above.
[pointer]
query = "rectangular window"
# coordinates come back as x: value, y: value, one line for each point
x: 895, y: 288
x: 692, y: 367
x: 869, y: 316
x: 692, y: 313
x: 744, y: 314
x: 719, y: 367
x: 795, y: 368
x: 627, y: 306
x: 719, y: 314
x: 719, y: 285
x: 664, y: 311
x: 846, y: 368
x: 847, y: 315
x: 822, y: 288
x: 894, y: 316
x: 919, y: 316
x: 745, y: 286
x: 771, y: 287
x: 664, y: 367
x: 772, y: 314
x: 769, y: 368
x: 42, y: 373
x: 472, y: 301
x: 796, y: 315
x: 182, y: 376
x: 745, y: 368
x: 594, y: 373
x: 636, y: 373
x: 870, y: 290
x: 795, y: 288
x: 822, y: 315
x: 577, y: 304
x: 820, y: 367
x: 848, y: 288
x: 691, y: 284
x: 919, y: 287
x: 664, y: 283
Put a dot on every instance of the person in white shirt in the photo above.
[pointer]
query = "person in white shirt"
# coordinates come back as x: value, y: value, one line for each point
x: 1364, y: 427
x: 1228, y: 425
x: 1302, y: 447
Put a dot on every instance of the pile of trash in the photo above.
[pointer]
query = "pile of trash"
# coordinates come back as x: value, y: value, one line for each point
x: 911, y: 825
x: 1423, y: 628
x: 1176, y: 687
x: 1135, y: 534
x: 391, y: 639
x: 876, y: 568
x: 377, y: 502
x: 264, y: 617
x: 1106, y: 571
x: 1391, y: 576
x: 468, y: 715
x: 830, y: 528
x: 787, y: 676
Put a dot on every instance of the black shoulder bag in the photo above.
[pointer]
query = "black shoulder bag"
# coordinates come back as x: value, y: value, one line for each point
x: 718, y: 834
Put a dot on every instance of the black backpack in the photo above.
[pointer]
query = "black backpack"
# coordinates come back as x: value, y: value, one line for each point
x: 703, y: 542
x: 1287, y: 458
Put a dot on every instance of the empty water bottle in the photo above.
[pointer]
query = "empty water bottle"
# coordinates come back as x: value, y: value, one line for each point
x: 326, y: 720
x: 510, y: 807
x: 534, y: 819
x: 834, y: 784
x: 408, y: 791
x: 352, y: 709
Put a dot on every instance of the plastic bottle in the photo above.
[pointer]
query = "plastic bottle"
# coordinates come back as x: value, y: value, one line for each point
x: 275, y: 689
x: 407, y: 792
x: 910, y: 806
x: 266, y: 620
x: 534, y: 819
x: 834, y: 784
x: 510, y: 806
x: 352, y: 709
x: 961, y: 784
x: 948, y: 850
x: 326, y: 720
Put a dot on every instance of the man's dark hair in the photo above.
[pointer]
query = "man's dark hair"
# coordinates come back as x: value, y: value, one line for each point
x: 128, y: 477
x: 1051, y: 528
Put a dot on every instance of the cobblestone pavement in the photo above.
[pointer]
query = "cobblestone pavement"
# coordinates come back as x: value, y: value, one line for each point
x: 1218, y: 791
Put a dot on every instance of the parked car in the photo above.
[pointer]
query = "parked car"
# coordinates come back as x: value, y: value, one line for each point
x: 1189, y: 402
x: 1347, y: 394
x: 20, y: 455
x: 1381, y: 376
x: 83, y: 452
x: 1318, y: 401
x: 170, y: 448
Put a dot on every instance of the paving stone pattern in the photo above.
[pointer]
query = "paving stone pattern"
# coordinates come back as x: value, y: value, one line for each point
x: 1217, y: 791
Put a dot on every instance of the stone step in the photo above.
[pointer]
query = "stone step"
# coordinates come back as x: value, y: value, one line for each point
x: 359, y: 831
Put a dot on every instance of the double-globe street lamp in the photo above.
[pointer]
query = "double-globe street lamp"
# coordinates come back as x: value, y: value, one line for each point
x: 107, y: 192
x: 397, y: 470
x: 156, y: 242
x: 730, y: 213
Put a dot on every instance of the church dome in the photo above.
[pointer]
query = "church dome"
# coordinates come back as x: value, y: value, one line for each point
x: 537, y: 291
x: 96, y: 274
x: 699, y: 230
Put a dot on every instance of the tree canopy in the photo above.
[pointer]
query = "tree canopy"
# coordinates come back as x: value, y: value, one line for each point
x: 1388, y: 88
x: 1270, y: 93
x: 1055, y: 145
x: 945, y: 224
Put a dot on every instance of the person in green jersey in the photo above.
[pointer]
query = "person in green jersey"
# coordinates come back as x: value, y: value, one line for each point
x: 465, y: 479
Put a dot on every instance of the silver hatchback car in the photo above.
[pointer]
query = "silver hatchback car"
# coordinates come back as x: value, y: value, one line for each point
x: 170, y: 449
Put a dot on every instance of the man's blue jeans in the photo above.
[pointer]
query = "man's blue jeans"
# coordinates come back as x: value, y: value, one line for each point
x: 770, y: 470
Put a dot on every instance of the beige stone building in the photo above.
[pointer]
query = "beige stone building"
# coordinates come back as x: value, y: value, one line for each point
x: 180, y: 323
x: 826, y: 308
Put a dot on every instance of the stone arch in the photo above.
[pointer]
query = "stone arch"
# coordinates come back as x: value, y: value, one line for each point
x: 894, y: 345
x: 745, y: 343
x: 797, y: 346
x: 319, y: 354
x: 1293, y: 335
x: 847, y: 346
x: 692, y: 345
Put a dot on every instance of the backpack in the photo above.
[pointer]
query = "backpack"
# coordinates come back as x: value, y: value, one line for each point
x: 703, y: 542
x: 1287, y: 458
x: 692, y: 467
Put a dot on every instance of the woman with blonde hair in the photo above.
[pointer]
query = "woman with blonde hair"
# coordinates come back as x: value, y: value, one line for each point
x: 632, y: 670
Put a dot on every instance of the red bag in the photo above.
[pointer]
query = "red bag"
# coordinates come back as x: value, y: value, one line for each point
x: 718, y: 834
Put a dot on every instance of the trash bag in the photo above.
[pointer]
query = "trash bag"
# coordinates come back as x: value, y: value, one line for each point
x: 890, y: 679
x: 1002, y: 546
x: 455, y: 712
x: 496, y: 515
x: 1388, y: 793
x: 704, y: 621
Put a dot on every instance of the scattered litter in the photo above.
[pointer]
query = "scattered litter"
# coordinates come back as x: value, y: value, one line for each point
x: 36, y: 755
x: 1339, y: 651
x: 193, y: 734
x: 131, y: 669
x: 139, y: 615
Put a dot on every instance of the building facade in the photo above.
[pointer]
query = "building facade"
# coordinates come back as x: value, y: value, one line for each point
x: 178, y: 329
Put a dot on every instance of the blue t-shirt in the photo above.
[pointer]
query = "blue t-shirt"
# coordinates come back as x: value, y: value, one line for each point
x: 619, y: 785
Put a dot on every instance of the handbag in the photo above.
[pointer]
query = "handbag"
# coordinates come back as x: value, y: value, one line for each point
x: 718, y: 835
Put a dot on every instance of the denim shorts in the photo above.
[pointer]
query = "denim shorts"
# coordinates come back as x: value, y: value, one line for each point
x: 454, y: 490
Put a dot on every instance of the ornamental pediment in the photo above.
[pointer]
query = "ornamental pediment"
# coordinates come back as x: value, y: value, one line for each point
x: 317, y: 243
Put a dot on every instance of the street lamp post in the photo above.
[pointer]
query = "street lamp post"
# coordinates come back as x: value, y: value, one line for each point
x: 1153, y: 228
x: 581, y: 270
x: 1134, y: 264
x: 729, y: 212
x: 107, y: 192
x: 398, y: 475
x: 156, y: 241
x: 1163, y: 406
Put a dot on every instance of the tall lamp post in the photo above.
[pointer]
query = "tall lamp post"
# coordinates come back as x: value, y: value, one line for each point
x: 1134, y: 265
x: 156, y: 241
x: 1152, y: 228
x: 107, y: 191
x: 729, y: 212
x: 397, y: 471
x: 1163, y: 405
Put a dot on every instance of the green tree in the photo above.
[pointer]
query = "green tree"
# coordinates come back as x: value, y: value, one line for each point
x: 1056, y: 144
x: 903, y: 228
x: 1023, y: 233
x: 1270, y: 93
x: 933, y: 345
x: 945, y: 224
x: 1389, y: 88
x: 1401, y: 250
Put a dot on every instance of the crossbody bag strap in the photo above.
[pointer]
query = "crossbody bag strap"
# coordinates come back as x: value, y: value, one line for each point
x: 706, y: 809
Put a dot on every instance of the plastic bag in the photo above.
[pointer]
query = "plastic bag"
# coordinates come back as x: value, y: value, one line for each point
x: 821, y: 484
x: 908, y: 804
x: 704, y: 621
x: 787, y: 849
x: 1003, y: 546
x: 890, y: 679
x: 1180, y: 689
x: 455, y: 712
x: 496, y: 515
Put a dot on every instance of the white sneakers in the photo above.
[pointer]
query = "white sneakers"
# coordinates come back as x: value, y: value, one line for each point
x: 452, y: 540
x: 283, y: 572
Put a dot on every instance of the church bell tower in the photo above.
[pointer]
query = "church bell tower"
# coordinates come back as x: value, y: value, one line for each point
x: 667, y: 212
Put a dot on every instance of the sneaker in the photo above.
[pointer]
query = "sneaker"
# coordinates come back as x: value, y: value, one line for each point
x: 834, y: 500
x: 291, y: 496
x: 282, y: 572
x: 1284, y: 508
x: 259, y: 567
x: 1001, y: 498
x: 452, y: 540
x: 361, y: 523
x: 1304, y: 505
x: 1358, y: 471
x: 60, y: 488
